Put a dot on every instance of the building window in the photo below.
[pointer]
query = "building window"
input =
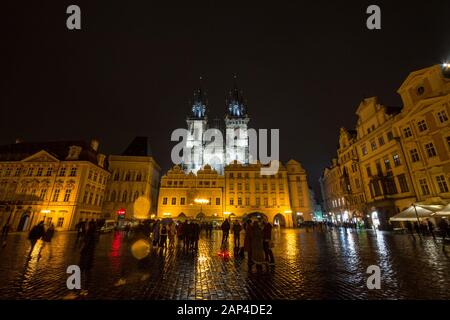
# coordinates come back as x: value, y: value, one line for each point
x: 247, y: 186
x: 373, y: 145
x: 127, y: 176
x: 125, y: 196
x: 378, y: 166
x: 369, y: 171
x: 264, y: 186
x: 407, y: 132
x: 29, y: 172
x: 239, y: 201
x: 274, y: 202
x: 217, y: 201
x: 139, y: 177
x: 357, y: 183
x: 231, y: 201
x: 448, y: 141
x: 91, y: 198
x: 116, y: 176
x: 182, y: 201
x: 258, y: 201
x: 414, y: 155
x: 247, y: 201
x: 381, y: 141
x: 390, y: 136
x: 67, y: 195
x: 60, y: 222
x: 387, y: 164
x: 62, y: 172
x: 73, y: 172
x: 403, y: 183
x: 165, y: 200
x: 422, y: 125
x: 96, y: 202
x: 396, y: 159
x: 239, y: 186
x: 39, y: 172
x: 174, y: 201
x: 56, y: 195
x: 442, y: 116
x: 431, y: 151
x: 424, y: 187
x: 442, y: 183
x: 43, y: 194
x: 266, y: 202
x: 231, y: 186
x: 364, y: 150
x: 49, y: 172
x: 113, y: 196
x: 85, y: 197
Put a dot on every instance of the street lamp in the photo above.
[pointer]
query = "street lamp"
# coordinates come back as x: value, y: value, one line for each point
x: 201, y: 201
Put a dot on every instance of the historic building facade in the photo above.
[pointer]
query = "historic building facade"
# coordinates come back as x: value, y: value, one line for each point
x: 397, y: 156
x: 132, y: 192
x: 241, y: 192
x: 56, y: 182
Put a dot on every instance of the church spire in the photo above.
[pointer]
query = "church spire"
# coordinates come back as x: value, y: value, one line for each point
x: 199, y: 103
x: 236, y: 102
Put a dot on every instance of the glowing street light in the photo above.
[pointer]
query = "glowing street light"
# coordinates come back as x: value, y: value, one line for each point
x: 288, y: 211
x: 201, y: 201
x: 45, y: 211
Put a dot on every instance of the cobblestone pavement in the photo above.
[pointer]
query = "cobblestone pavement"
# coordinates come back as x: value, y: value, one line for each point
x: 309, y: 265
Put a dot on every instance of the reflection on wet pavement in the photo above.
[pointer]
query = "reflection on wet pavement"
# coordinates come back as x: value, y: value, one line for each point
x: 309, y: 265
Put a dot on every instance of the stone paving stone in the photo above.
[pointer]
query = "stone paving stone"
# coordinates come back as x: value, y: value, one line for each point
x: 309, y: 265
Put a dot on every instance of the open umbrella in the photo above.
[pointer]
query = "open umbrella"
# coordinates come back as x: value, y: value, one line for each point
x: 409, y: 214
x: 445, y: 211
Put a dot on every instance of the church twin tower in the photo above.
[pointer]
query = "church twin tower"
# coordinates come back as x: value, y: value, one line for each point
x: 205, y: 149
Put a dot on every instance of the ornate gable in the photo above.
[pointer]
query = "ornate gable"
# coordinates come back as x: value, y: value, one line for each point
x: 41, y: 156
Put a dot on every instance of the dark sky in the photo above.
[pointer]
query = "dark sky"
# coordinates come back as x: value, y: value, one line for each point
x: 303, y: 66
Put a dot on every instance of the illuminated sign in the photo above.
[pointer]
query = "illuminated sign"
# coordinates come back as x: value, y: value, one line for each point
x: 121, y: 212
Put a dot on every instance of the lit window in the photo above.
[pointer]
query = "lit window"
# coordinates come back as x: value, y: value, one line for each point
x: 364, y: 149
x: 396, y: 160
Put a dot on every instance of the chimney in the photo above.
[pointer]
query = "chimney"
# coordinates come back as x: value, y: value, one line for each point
x: 94, y: 145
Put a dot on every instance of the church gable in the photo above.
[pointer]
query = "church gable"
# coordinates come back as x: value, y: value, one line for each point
x: 41, y: 156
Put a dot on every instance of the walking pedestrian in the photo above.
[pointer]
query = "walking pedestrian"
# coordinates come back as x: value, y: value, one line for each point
x: 163, y: 236
x: 81, y: 229
x: 248, y: 242
x: 172, y: 234
x: 267, y: 244
x: 444, y: 229
x: 410, y: 229
x: 237, y: 233
x: 431, y: 228
x: 257, y: 245
x: 225, y: 231
x: 195, y: 235
x: 48, y: 236
x: 156, y: 227
x: 35, y: 234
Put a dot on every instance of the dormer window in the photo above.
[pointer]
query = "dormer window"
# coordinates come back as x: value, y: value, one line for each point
x: 422, y: 125
x: 420, y: 90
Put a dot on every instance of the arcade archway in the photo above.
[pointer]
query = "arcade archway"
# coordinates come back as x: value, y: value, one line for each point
x: 253, y: 216
x: 24, y: 222
x: 279, y: 220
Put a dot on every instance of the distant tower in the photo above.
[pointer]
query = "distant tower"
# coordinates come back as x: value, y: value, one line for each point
x: 236, y: 121
x: 197, y: 123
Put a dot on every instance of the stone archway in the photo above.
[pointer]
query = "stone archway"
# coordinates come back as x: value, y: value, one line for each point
x: 182, y: 217
x: 279, y: 220
x: 200, y: 216
x: 253, y: 216
x: 24, y: 221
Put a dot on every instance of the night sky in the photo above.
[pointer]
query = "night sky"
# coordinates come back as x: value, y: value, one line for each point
x: 303, y: 66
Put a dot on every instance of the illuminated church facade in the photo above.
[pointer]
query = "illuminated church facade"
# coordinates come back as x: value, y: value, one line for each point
x: 203, y: 148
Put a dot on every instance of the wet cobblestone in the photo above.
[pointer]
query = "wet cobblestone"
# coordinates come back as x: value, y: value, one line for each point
x: 309, y: 265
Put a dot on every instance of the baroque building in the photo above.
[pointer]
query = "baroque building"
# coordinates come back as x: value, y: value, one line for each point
x: 57, y: 182
x: 133, y: 188
x: 396, y: 156
x: 240, y: 193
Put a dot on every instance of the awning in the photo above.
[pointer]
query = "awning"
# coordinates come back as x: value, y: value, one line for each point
x: 423, y: 211
x: 444, y: 212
